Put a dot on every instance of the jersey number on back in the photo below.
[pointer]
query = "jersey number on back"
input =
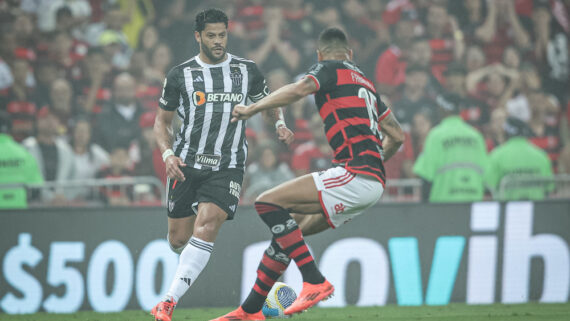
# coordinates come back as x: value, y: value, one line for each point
x: 370, y: 100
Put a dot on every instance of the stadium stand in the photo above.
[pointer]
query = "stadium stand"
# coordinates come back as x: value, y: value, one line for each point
x: 81, y: 81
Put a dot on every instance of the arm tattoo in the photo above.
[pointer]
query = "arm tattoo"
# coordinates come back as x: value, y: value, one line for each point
x: 391, y: 127
x: 391, y: 122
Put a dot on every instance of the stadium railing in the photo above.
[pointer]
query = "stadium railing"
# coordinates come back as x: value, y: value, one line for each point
x: 555, y: 187
x: 149, y: 191
x: 133, y: 191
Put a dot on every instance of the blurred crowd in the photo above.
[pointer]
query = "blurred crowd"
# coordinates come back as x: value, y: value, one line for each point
x: 81, y: 79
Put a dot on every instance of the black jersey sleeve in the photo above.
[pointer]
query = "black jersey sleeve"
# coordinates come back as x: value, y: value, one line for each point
x: 324, y: 76
x: 258, y: 88
x: 170, y: 99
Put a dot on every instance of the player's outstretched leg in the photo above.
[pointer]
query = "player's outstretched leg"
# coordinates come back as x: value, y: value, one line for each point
x: 271, y: 267
x: 289, y: 238
x: 193, y: 258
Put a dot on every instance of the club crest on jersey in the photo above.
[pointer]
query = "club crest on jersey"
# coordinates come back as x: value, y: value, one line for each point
x: 200, y: 98
x: 236, y: 78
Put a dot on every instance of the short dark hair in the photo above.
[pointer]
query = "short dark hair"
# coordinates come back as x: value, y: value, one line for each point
x: 211, y: 15
x: 449, y: 103
x: 332, y: 38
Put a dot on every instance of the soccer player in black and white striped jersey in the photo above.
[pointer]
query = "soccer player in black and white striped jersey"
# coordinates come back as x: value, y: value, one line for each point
x: 205, y: 159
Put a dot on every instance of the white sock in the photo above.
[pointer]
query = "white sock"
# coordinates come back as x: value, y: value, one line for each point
x: 192, y: 261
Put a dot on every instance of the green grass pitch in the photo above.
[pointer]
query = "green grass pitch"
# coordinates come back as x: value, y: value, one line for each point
x: 460, y: 312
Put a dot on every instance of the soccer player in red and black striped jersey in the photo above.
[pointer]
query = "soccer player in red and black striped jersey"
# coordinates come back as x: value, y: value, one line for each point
x: 362, y: 132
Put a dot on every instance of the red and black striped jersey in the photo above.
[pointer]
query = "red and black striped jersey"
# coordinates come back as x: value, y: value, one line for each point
x: 351, y: 110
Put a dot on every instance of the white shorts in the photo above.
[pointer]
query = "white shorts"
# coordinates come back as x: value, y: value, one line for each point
x: 344, y: 195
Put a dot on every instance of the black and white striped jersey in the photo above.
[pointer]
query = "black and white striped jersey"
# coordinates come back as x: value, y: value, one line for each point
x: 204, y: 96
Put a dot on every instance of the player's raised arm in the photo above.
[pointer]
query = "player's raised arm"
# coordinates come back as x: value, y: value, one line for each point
x: 393, y: 135
x: 283, y: 96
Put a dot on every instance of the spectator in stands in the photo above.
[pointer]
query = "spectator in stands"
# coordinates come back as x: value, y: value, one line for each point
x: 274, y: 50
x: 148, y: 88
x: 118, y: 168
x: 474, y: 58
x: 88, y: 158
x: 474, y: 111
x: 53, y: 154
x: 551, y: 22
x: 470, y: 15
x: 397, y: 9
x: 6, y: 78
x: 148, y: 38
x: 17, y: 166
x: 24, y: 30
x: 64, y: 20
x: 118, y: 124
x: 506, y: 161
x: 391, y: 65
x: 7, y: 50
x: 115, y: 48
x: 530, y: 81
x: 19, y: 101
x: 545, y: 134
x: 93, y: 85
x: 511, y: 57
x: 114, y: 20
x: 414, y: 95
x: 420, y: 54
x: 314, y: 155
x: 65, y: 51
x: 375, y: 32
x: 454, y: 158
x: 495, y: 134
x: 494, y: 84
x: 62, y: 104
x: 266, y: 173
x: 46, y: 11
x: 160, y: 61
x: 45, y: 73
x: 446, y: 38
x: 173, y: 18
x: 502, y: 27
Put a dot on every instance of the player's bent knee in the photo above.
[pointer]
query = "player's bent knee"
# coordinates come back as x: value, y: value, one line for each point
x: 176, y: 244
x: 268, y: 197
x: 177, y: 249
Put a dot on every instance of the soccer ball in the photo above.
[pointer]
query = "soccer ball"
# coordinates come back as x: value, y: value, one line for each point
x: 279, y: 298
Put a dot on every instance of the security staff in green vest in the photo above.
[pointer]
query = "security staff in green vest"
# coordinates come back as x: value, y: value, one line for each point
x: 17, y: 166
x: 454, y: 159
x: 519, y: 158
